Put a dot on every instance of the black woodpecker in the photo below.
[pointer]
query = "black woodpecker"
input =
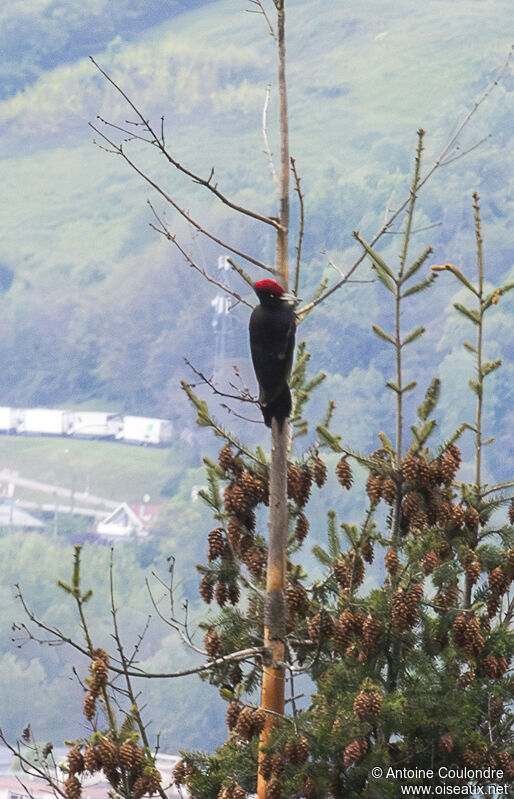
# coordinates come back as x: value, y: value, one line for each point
x: 272, y: 332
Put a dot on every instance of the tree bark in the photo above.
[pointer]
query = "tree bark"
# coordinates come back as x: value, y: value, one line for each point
x: 273, y: 676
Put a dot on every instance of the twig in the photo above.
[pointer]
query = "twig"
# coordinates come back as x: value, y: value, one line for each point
x: 443, y: 160
x: 216, y: 390
x: 30, y: 768
x: 262, y: 11
x: 163, y: 230
x: 159, y: 143
x: 120, y: 151
x: 301, y: 227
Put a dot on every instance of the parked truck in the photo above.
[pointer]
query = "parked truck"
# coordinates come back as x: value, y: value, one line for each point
x: 10, y: 419
x: 144, y: 430
x: 46, y: 422
x: 96, y: 424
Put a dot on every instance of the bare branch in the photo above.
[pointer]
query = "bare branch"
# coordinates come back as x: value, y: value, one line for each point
x: 444, y: 159
x: 244, y: 396
x: 120, y: 151
x: 267, y: 148
x: 163, y: 230
x: 262, y: 11
x: 301, y: 227
x: 159, y: 143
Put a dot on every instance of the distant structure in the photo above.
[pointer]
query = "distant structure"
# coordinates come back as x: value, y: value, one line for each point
x: 100, y: 425
x: 15, y: 517
x: 128, y: 521
x: 222, y: 321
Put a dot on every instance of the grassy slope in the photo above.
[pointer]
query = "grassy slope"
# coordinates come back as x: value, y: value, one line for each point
x: 108, y: 469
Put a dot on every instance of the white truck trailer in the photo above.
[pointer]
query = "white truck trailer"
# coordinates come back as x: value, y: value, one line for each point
x: 10, y: 419
x: 96, y: 424
x: 144, y: 430
x: 46, y: 422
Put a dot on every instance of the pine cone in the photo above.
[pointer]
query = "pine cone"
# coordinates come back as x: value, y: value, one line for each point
x: 367, y: 551
x: 430, y: 561
x: 445, y: 744
x: 236, y: 502
x: 471, y: 565
x: 91, y: 760
x: 403, y: 617
x: 310, y: 789
x: 234, y: 531
x: 273, y: 790
x: 374, y: 487
x: 355, y: 752
x: 467, y: 634
x: 131, y: 757
x: 265, y: 767
x: 392, y: 562
x: 180, y: 772
x: 297, y: 598
x: 277, y: 764
x: 99, y: 670
x: 297, y: 751
x: 370, y: 632
x: 321, y: 626
x: 258, y: 721
x: 233, y: 593
x: 216, y: 540
x: 498, y: 582
x: 221, y: 594
x: 255, y: 560
x: 206, y: 589
x: 415, y: 469
x: 75, y: 761
x: 342, y: 574
x: 344, y: 474
x: 244, y: 725
x: 471, y: 518
x: 72, y: 788
x: 107, y: 753
x: 304, y: 491
x: 233, y: 711
x: 388, y: 490
x: 496, y: 710
x: 466, y: 678
x: 89, y: 706
x: 343, y: 631
x: 367, y: 704
x: 212, y: 642
x: 254, y: 487
x: 225, y: 457
x: 319, y: 471
x: 301, y: 528
x: 294, y: 481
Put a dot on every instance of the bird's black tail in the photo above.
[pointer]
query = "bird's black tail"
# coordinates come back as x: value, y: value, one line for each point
x: 279, y: 407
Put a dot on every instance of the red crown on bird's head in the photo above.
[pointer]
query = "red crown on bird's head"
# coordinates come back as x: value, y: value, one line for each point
x: 270, y: 285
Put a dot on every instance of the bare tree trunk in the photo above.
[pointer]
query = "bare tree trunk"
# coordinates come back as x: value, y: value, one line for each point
x: 273, y: 676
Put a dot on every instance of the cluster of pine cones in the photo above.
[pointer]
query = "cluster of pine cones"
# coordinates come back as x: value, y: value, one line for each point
x: 246, y: 722
x: 425, y: 489
x: 352, y: 635
x: 125, y: 763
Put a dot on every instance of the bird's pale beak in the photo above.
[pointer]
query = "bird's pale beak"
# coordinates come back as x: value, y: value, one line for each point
x: 291, y: 299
